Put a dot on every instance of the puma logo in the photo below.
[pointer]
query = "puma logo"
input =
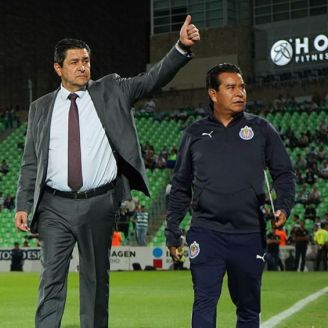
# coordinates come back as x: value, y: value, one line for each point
x: 260, y: 257
x: 207, y: 134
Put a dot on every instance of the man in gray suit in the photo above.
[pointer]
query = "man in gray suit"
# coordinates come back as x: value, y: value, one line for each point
x: 81, y: 159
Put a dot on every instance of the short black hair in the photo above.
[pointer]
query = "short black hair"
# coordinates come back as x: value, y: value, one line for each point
x: 212, y: 76
x: 65, y: 44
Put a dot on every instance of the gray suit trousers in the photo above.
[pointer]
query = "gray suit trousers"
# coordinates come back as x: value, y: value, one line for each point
x: 62, y: 223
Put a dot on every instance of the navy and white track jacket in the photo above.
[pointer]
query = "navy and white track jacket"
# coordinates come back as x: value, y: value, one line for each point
x: 220, y: 172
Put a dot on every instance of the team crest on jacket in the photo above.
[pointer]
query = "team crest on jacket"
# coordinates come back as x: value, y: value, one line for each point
x: 246, y: 133
x: 194, y: 250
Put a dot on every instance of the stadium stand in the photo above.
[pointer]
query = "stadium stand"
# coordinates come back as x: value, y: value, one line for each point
x: 159, y: 135
x: 11, y: 151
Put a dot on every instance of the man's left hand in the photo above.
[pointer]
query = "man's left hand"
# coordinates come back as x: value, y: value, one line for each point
x: 189, y: 33
x: 280, y: 219
x: 174, y: 253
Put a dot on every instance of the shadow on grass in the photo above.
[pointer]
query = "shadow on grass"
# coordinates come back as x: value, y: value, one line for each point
x: 71, y: 326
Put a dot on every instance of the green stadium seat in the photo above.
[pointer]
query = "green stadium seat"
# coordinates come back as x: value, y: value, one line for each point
x: 161, y: 133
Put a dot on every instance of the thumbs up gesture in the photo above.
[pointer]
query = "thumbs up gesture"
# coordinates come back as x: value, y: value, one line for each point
x: 189, y: 33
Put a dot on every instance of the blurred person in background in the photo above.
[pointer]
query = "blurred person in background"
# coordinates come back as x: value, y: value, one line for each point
x: 321, y: 240
x: 301, y: 238
x: 4, y: 167
x: 141, y: 220
x: 117, y: 238
x: 17, y: 256
x: 9, y: 202
x: 273, y: 251
x: 126, y: 213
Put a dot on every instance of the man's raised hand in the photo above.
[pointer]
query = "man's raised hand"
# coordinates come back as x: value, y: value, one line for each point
x: 189, y: 33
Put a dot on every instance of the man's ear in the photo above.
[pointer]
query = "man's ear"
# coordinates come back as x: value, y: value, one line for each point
x: 58, y: 69
x: 212, y: 94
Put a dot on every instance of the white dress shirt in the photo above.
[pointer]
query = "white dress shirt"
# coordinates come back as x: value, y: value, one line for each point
x: 98, y: 162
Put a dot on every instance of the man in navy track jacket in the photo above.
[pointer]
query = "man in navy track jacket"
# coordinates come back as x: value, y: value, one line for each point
x: 220, y: 172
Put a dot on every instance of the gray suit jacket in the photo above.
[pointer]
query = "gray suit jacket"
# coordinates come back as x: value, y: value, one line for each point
x: 113, y: 97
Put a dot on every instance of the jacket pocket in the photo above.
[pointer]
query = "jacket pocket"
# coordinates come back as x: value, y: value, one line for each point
x: 227, y: 207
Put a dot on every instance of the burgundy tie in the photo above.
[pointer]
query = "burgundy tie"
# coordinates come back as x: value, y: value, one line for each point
x: 74, y: 179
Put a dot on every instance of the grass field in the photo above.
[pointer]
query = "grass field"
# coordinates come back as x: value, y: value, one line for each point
x: 164, y: 299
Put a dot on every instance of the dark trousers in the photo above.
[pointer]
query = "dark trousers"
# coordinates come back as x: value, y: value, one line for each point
x: 62, y: 223
x: 300, y: 254
x: 321, y: 257
x: 241, y: 256
x: 274, y: 261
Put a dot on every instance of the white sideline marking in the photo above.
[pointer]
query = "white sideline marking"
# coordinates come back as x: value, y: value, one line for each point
x: 275, y: 320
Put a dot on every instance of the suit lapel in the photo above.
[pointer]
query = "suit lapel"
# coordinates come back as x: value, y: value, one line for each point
x: 96, y: 94
x: 47, y: 110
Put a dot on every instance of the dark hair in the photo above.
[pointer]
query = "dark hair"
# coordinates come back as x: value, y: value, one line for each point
x: 63, y: 45
x: 212, y: 76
